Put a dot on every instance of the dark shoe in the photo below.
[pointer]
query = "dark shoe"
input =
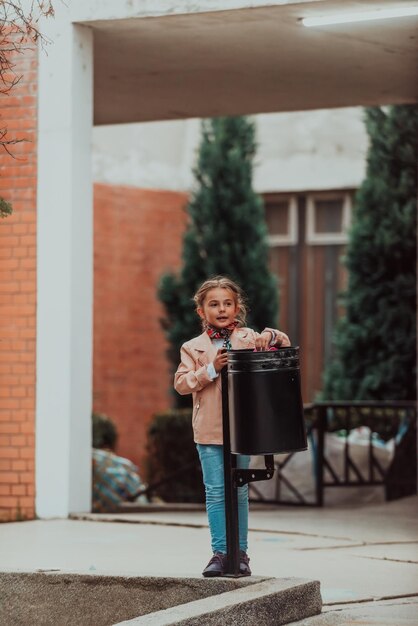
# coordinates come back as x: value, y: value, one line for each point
x: 244, y: 563
x: 216, y: 565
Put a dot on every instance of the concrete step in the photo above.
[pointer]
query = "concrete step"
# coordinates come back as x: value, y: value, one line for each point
x: 67, y: 599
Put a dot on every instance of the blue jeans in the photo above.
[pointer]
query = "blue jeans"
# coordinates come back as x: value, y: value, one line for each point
x: 212, y: 462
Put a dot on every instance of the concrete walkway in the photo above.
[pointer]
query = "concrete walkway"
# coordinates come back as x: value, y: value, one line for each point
x: 365, y: 557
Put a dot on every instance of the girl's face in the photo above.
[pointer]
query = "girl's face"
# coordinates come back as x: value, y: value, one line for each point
x: 219, y: 307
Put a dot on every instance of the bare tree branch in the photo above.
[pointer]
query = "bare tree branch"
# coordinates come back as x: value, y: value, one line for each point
x: 18, y: 32
x: 18, y: 28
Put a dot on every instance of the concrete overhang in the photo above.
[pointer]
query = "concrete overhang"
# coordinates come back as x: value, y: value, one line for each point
x: 251, y: 60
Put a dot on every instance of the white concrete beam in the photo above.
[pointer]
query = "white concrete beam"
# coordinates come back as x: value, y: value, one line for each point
x: 86, y: 11
x: 65, y: 270
x: 258, y: 60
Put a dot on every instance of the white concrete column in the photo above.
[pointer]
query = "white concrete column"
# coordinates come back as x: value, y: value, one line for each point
x: 65, y: 269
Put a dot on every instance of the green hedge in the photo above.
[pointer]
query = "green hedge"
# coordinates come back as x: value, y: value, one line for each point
x: 170, y: 447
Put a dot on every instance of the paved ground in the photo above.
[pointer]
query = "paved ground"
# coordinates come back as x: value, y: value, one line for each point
x: 365, y: 557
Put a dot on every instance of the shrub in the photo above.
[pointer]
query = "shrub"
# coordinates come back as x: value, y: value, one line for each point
x: 375, y: 341
x: 170, y: 450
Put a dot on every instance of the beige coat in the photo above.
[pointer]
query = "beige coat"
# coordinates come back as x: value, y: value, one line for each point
x: 192, y: 377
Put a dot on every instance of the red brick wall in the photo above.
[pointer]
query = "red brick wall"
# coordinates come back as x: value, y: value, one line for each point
x: 18, y: 296
x: 137, y: 236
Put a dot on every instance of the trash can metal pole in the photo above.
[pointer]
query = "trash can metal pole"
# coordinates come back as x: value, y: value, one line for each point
x: 231, y: 495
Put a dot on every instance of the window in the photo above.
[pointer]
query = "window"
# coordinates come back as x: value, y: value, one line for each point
x: 327, y: 218
x: 281, y: 218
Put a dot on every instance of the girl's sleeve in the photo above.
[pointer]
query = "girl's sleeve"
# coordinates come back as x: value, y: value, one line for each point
x: 187, y: 379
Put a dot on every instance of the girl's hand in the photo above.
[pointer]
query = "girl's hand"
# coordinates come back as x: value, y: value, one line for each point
x: 263, y: 342
x: 220, y: 360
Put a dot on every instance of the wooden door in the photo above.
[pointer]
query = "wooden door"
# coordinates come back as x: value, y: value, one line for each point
x: 307, y: 236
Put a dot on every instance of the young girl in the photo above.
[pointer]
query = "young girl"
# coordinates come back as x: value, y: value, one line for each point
x: 220, y: 305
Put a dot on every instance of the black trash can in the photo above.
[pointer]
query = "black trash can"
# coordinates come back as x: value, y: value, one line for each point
x: 265, y: 402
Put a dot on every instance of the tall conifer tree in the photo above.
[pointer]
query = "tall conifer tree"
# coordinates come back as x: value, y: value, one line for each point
x: 375, y: 342
x: 226, y: 233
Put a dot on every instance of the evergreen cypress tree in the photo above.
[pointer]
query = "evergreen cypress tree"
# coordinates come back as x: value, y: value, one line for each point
x: 375, y: 341
x: 226, y: 233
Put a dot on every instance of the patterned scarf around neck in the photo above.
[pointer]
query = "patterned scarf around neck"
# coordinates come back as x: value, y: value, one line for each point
x: 222, y: 333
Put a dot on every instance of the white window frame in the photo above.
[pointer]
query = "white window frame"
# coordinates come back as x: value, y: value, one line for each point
x: 315, y: 238
x: 291, y: 238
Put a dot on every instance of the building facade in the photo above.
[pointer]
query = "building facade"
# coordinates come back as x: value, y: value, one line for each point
x: 307, y: 167
x: 75, y: 248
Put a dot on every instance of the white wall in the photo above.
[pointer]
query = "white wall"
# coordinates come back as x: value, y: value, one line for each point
x: 322, y: 149
x: 309, y: 150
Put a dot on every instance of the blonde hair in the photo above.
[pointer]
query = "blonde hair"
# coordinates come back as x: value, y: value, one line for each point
x: 222, y: 282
